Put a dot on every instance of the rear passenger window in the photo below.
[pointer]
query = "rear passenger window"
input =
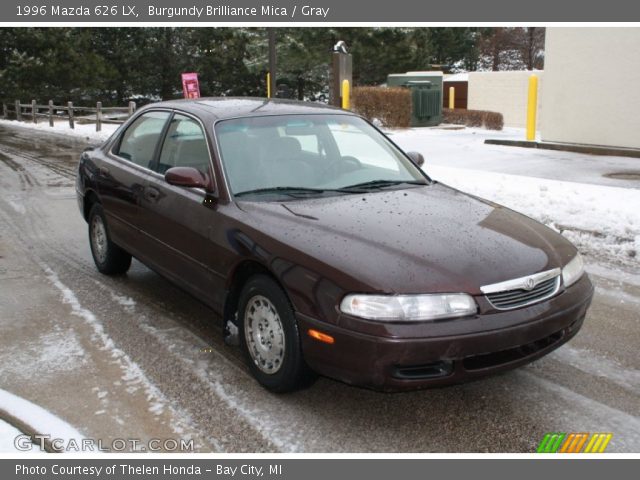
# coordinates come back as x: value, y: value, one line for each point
x: 139, y: 141
x: 184, y: 146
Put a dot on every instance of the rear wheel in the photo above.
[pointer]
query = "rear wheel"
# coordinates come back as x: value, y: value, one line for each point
x: 109, y: 258
x: 269, y: 336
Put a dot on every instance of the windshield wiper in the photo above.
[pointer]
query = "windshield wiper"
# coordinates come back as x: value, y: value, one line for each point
x: 293, y: 191
x: 384, y: 183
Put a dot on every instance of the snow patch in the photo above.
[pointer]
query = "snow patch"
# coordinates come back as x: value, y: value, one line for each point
x: 599, y: 220
x: 260, y: 418
x: 127, y: 302
x: 53, y: 352
x: 86, y: 131
x: 39, y: 419
x: 18, y: 207
x: 8, y: 433
x: 132, y: 375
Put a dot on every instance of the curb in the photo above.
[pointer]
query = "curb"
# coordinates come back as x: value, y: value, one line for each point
x: 33, y: 420
x: 567, y: 147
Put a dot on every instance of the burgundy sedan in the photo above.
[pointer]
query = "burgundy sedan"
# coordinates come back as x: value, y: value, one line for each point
x: 323, y: 248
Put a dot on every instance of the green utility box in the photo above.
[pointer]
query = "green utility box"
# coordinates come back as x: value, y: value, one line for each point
x: 426, y: 96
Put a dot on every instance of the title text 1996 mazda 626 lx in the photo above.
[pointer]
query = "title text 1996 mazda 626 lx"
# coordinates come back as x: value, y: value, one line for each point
x: 323, y: 248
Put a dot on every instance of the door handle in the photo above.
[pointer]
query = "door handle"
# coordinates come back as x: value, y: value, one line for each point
x: 104, y: 171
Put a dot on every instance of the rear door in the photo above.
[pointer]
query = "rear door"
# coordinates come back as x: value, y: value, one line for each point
x: 121, y: 180
x: 178, y: 221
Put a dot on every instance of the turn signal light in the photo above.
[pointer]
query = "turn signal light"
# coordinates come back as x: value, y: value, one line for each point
x: 321, y: 337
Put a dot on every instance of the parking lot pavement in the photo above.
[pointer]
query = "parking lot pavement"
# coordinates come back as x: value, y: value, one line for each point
x: 466, y: 149
x: 135, y: 357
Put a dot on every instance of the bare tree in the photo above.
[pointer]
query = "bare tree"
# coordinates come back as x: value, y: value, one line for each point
x: 511, y: 48
x: 530, y: 43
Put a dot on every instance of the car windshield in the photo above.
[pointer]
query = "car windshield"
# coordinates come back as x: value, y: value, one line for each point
x: 310, y: 155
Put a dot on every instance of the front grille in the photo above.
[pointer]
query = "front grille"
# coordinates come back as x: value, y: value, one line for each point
x: 510, y: 299
x: 503, y: 357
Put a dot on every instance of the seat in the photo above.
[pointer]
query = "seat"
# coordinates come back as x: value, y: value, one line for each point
x: 193, y: 153
x: 283, y: 159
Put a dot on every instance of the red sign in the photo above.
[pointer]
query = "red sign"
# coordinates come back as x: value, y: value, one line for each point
x: 190, y: 85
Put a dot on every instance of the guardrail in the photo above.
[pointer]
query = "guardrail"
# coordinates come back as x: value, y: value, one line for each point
x: 74, y: 114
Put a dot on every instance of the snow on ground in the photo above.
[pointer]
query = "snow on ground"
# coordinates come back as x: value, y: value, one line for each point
x: 465, y: 148
x: 602, y: 220
x: 7, y: 436
x: 39, y: 419
x: 54, y: 352
x: 132, y: 375
x: 87, y: 131
x: 599, y: 220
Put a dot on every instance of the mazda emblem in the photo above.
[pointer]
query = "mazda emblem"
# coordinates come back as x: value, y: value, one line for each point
x: 529, y: 283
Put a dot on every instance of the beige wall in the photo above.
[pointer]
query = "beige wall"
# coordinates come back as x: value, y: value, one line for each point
x: 504, y: 92
x: 591, y: 90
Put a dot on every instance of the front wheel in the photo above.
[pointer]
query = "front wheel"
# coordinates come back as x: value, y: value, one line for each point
x: 109, y: 258
x: 269, y: 336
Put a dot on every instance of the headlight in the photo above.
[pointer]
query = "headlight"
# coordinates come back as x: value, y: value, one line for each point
x: 401, y: 308
x: 572, y: 271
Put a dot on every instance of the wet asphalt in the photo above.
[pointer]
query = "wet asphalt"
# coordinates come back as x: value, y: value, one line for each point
x: 590, y: 385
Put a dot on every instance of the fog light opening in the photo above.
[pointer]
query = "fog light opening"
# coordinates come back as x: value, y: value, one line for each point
x: 442, y: 368
x: 321, y: 337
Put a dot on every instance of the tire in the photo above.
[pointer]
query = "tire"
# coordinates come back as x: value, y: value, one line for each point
x: 109, y: 258
x: 269, y: 337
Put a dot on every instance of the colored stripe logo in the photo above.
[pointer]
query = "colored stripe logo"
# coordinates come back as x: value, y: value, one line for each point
x: 557, y: 442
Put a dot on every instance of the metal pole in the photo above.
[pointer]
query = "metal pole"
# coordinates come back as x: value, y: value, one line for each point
x: 18, y: 111
x: 51, y: 113
x: 268, y: 85
x: 34, y: 111
x: 272, y: 61
x: 346, y: 91
x: 98, y: 116
x: 70, y: 112
x: 532, y: 105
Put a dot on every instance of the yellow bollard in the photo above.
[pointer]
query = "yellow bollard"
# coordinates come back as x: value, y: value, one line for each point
x: 532, y: 106
x: 452, y: 97
x: 268, y: 85
x: 346, y: 103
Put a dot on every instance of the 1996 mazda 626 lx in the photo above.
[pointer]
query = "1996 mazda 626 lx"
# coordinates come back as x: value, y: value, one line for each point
x: 323, y: 248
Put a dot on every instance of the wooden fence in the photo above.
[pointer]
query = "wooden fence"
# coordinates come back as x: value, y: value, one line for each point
x: 99, y: 115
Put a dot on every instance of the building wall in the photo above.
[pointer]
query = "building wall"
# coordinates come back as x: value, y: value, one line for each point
x: 461, y: 94
x: 504, y: 92
x: 583, y: 104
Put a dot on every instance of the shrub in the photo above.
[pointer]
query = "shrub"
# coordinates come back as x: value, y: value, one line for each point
x: 474, y: 118
x: 391, y: 106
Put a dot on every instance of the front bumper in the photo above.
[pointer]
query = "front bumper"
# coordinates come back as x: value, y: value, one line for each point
x: 401, y: 363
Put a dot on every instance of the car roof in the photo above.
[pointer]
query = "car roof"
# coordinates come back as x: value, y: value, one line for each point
x: 220, y: 108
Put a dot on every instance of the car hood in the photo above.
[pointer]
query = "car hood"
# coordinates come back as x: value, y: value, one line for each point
x: 423, y: 239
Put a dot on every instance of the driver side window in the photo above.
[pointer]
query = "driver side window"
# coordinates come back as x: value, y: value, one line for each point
x: 139, y: 141
x: 184, y: 146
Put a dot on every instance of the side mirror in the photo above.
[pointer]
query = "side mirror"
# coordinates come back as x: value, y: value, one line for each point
x: 417, y: 158
x: 186, y: 177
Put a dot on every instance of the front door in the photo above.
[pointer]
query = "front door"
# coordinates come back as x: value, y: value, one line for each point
x: 178, y: 220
